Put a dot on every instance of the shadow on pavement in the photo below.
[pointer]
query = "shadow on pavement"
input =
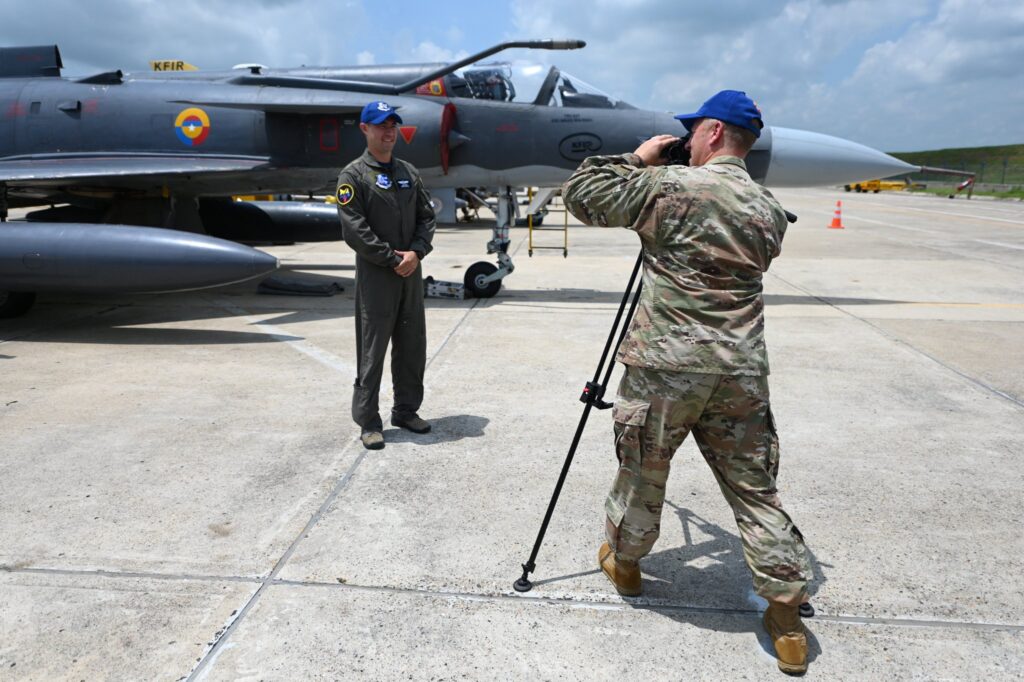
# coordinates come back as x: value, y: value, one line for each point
x: 443, y: 430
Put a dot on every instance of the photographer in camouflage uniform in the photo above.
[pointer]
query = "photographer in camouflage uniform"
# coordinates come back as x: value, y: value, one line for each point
x: 695, y: 354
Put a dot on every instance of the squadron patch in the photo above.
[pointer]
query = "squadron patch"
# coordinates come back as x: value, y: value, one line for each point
x: 345, y: 194
x: 383, y: 181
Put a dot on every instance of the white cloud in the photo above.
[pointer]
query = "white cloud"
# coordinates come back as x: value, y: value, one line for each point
x: 207, y: 34
x: 427, y: 51
x: 908, y: 75
x: 896, y: 75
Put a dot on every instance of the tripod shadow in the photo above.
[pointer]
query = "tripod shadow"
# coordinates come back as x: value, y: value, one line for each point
x: 701, y: 576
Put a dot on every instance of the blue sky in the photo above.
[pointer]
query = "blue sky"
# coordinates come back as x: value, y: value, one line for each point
x: 899, y: 76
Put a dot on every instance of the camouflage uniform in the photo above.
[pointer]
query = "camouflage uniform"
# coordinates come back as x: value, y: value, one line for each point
x: 695, y: 352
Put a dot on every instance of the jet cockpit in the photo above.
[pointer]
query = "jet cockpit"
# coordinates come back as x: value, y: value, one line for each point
x: 498, y: 82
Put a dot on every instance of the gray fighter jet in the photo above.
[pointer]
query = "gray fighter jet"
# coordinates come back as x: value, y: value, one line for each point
x: 155, y: 157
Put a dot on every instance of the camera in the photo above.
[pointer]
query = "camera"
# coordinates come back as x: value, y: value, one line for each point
x: 676, y: 154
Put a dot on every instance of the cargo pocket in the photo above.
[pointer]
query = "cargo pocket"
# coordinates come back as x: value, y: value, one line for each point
x: 629, y: 415
x: 772, y: 465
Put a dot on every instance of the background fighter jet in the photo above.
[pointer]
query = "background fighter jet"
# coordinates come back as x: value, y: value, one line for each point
x: 168, y: 150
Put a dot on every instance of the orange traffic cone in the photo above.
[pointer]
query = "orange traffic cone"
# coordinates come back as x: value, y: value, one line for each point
x: 837, y: 218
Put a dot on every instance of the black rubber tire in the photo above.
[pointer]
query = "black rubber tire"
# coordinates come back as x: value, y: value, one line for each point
x: 476, y: 272
x: 15, y: 303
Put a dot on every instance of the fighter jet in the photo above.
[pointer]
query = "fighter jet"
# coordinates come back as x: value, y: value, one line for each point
x: 155, y: 157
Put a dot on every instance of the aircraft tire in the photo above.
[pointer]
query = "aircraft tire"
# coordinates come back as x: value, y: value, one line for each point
x: 15, y: 303
x: 475, y: 273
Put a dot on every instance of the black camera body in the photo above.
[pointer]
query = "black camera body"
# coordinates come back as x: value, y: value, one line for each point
x: 676, y: 154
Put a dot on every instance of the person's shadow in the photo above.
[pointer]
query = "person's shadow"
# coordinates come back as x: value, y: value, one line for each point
x: 701, y: 582
x: 442, y: 430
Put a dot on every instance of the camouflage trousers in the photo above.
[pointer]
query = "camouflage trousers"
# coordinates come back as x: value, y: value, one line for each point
x: 731, y: 420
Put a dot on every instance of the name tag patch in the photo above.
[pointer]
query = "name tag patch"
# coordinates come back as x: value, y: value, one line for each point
x: 404, y: 184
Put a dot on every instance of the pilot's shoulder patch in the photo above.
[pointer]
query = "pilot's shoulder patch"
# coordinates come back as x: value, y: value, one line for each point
x: 345, y: 194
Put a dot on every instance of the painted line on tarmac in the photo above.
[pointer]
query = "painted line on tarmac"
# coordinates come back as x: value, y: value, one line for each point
x: 938, y: 234
x: 943, y: 304
x: 621, y: 603
x: 634, y: 603
x: 451, y: 332
x: 891, y: 337
x: 947, y: 214
x: 322, y: 356
x: 203, y: 666
x: 198, y: 672
x: 1002, y: 244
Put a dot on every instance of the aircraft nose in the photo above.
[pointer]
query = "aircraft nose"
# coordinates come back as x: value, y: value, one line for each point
x: 804, y: 159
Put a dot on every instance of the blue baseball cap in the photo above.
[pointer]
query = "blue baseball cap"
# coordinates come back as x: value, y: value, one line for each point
x: 730, y: 106
x: 378, y: 112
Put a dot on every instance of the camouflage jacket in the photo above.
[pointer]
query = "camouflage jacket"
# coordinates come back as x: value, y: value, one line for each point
x: 708, y: 234
x: 383, y: 210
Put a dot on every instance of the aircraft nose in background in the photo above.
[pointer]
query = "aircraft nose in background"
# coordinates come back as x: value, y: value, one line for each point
x: 804, y: 159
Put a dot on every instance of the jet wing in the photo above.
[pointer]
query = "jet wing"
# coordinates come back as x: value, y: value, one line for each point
x: 117, y: 169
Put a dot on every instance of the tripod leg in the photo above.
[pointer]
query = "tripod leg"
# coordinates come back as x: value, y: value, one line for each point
x: 592, y: 395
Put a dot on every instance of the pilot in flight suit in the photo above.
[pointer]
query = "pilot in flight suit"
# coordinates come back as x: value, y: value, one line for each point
x: 387, y: 219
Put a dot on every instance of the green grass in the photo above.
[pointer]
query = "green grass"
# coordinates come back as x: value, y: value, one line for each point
x: 987, y: 162
x: 945, y: 191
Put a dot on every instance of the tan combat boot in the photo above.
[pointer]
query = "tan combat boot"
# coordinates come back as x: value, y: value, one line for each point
x: 625, y: 575
x: 788, y: 635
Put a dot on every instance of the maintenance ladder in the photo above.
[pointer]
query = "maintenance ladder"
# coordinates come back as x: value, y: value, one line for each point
x: 549, y: 202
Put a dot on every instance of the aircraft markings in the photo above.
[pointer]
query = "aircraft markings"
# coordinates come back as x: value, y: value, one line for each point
x: 192, y: 126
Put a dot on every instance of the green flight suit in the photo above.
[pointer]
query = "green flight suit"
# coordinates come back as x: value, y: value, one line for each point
x: 383, y: 209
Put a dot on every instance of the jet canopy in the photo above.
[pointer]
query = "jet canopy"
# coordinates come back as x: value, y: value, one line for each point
x: 529, y: 84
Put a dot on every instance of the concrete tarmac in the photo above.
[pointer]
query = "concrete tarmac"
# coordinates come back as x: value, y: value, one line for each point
x: 184, y: 496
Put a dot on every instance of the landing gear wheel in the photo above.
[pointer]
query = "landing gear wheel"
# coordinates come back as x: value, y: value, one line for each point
x: 473, y: 280
x: 15, y: 303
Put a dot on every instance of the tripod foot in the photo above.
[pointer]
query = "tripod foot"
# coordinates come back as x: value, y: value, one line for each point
x: 522, y: 585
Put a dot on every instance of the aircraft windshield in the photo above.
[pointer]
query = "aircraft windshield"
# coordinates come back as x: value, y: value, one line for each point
x: 530, y: 84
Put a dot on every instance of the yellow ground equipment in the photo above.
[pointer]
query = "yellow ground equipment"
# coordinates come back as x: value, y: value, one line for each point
x: 877, y: 186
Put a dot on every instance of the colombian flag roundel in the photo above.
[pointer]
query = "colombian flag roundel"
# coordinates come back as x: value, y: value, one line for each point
x: 192, y: 126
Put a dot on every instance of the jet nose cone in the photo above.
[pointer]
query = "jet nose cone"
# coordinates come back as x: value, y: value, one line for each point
x: 804, y: 159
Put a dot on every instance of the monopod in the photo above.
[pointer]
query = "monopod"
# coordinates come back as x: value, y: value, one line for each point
x: 593, y: 396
